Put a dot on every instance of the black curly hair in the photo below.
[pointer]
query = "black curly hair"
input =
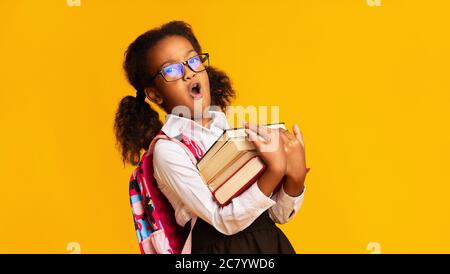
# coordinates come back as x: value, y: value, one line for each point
x: 136, y: 122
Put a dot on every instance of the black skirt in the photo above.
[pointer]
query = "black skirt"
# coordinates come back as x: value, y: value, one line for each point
x: 261, y: 237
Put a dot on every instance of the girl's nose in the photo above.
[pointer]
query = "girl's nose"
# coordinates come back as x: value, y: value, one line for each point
x: 188, y: 72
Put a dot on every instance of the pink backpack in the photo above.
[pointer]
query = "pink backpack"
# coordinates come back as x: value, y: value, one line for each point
x: 154, y: 216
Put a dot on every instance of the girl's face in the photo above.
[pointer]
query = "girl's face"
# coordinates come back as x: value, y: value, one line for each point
x: 181, y: 92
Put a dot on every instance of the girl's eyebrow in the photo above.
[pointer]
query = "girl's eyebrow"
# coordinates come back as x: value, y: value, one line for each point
x: 172, y: 60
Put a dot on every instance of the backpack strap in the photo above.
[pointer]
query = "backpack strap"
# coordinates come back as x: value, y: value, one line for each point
x: 192, y: 149
x: 154, y: 216
x: 195, y: 152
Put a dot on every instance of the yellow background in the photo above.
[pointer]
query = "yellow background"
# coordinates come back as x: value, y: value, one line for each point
x: 368, y: 85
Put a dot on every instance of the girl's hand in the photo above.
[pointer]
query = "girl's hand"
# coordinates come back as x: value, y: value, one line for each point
x: 294, y: 147
x: 269, y: 146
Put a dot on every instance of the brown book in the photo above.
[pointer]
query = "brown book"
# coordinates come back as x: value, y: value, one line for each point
x: 231, y: 164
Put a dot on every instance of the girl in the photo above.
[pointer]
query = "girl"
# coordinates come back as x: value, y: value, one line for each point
x: 167, y: 66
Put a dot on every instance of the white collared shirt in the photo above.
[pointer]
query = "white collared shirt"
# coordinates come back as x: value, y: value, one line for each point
x: 180, y: 181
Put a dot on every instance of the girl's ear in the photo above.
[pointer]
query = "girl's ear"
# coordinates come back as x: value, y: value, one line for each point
x: 153, y: 95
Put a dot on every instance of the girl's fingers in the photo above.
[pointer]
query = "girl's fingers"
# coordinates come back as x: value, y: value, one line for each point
x: 253, y: 137
x: 261, y: 130
x: 298, y: 134
x: 288, y: 134
x: 284, y: 135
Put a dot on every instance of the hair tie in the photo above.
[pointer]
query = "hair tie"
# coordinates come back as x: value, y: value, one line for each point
x: 140, y: 96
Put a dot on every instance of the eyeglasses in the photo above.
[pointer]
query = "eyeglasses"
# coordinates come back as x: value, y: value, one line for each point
x: 176, y: 71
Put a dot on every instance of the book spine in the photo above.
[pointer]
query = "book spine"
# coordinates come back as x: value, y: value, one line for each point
x: 232, y: 174
x: 216, y: 185
x: 242, y: 189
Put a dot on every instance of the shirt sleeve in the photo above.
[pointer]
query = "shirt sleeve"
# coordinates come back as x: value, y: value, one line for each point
x: 286, y: 206
x: 173, y: 169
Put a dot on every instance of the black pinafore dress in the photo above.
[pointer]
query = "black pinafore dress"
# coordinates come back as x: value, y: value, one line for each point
x: 261, y: 237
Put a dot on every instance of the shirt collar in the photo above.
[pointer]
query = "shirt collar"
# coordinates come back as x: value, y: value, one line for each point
x: 175, y: 125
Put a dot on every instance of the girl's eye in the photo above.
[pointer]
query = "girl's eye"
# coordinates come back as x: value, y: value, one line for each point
x: 194, y: 62
x: 171, y: 70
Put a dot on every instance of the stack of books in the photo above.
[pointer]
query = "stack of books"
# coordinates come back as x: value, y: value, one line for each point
x: 231, y: 164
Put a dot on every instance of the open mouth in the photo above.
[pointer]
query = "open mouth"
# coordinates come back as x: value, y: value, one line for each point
x: 195, y: 90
